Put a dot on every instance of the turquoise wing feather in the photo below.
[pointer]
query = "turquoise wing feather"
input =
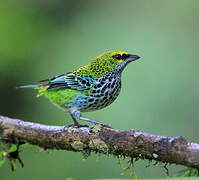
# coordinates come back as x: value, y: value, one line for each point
x: 70, y: 81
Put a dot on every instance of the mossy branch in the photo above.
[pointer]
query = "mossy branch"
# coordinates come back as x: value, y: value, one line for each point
x: 128, y: 143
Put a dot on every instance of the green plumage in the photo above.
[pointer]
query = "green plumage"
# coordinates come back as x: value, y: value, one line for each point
x: 88, y: 88
x: 57, y: 96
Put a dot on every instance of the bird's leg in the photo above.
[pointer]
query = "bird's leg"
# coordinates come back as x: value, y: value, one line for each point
x: 75, y: 123
x: 94, y: 121
x: 76, y: 115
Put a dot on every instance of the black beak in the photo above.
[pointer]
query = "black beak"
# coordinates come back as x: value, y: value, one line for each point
x: 132, y: 57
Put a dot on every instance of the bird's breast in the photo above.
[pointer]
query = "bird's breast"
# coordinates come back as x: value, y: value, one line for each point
x: 103, y: 93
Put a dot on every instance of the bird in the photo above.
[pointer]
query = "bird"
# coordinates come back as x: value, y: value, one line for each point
x: 88, y: 88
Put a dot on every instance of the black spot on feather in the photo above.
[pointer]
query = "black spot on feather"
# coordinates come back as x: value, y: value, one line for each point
x: 57, y: 85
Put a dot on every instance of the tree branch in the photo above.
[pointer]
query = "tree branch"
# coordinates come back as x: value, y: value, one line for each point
x: 128, y: 143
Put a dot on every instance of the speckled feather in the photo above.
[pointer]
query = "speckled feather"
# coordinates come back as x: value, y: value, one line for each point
x: 88, y: 88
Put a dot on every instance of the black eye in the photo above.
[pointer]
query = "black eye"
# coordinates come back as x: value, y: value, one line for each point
x: 124, y: 56
x: 117, y: 56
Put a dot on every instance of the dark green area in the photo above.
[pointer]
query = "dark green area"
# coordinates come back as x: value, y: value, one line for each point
x: 39, y: 39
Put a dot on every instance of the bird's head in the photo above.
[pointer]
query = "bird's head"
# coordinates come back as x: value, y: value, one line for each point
x: 111, y: 61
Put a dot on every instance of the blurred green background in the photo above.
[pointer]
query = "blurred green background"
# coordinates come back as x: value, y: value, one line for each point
x: 160, y: 93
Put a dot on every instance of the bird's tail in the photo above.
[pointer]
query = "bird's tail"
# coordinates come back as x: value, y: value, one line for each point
x: 31, y: 86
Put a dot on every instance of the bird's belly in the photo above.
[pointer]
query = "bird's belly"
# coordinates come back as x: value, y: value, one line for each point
x: 97, y: 98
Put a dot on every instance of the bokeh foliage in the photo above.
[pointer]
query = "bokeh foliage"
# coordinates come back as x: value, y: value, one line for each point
x: 160, y: 91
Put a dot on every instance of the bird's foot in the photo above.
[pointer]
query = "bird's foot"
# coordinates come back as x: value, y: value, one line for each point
x: 76, y: 115
x: 95, y: 122
x: 74, y: 126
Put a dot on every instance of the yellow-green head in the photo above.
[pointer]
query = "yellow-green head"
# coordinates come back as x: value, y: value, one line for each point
x: 108, y: 62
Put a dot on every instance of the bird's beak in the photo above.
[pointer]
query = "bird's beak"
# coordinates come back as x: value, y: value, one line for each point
x: 131, y: 57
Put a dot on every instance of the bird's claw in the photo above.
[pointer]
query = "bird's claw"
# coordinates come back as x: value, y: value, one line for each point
x: 75, y: 126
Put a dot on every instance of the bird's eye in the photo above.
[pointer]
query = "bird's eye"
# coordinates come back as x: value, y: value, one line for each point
x: 117, y: 56
x: 124, y: 56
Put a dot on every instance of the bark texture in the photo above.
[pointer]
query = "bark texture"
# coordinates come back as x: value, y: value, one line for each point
x: 128, y: 143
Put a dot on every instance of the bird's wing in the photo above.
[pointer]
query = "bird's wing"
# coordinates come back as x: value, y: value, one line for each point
x: 50, y: 79
x: 70, y: 81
